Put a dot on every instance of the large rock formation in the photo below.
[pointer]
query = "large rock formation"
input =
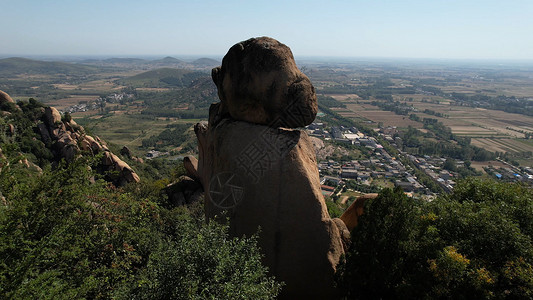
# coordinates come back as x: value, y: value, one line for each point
x: 66, y: 135
x: 68, y: 138
x: 261, y: 174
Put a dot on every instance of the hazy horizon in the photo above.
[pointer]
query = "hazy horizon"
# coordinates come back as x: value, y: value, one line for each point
x: 305, y: 60
x: 412, y: 29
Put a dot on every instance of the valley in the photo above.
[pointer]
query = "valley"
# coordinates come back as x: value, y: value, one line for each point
x: 140, y: 104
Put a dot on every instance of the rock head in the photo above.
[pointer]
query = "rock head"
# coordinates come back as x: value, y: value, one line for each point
x: 260, y: 83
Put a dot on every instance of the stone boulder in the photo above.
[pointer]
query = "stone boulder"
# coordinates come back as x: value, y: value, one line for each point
x: 354, y: 211
x: 52, y: 117
x: 102, y: 143
x: 111, y: 162
x: 72, y: 126
x: 267, y: 178
x: 125, y: 151
x: 138, y: 159
x: 10, y: 129
x: 88, y: 143
x: 5, y: 98
x: 67, y: 146
x: 191, y: 166
x: 344, y: 233
x: 260, y: 83
x: 185, y: 191
x: 45, y: 134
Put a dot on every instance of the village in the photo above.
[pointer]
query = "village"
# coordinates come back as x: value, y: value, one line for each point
x: 99, y: 103
x: 381, y: 169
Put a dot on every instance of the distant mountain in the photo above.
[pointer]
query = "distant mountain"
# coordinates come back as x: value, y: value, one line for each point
x: 117, y: 62
x: 205, y: 62
x: 114, y: 60
x: 16, y: 66
x: 144, y: 64
x: 164, y: 77
x: 167, y: 60
x: 125, y: 60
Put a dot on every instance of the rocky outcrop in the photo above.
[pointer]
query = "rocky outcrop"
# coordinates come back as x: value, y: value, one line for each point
x: 260, y: 173
x: 126, y: 152
x: 67, y: 139
x: 52, y: 117
x: 54, y: 132
x: 10, y: 129
x: 111, y: 162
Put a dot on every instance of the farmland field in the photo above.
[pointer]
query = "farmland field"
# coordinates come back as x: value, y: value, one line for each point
x: 463, y: 121
x: 502, y: 145
x: 364, y: 110
x: 130, y: 129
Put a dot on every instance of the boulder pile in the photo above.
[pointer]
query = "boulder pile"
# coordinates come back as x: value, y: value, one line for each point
x: 67, y: 140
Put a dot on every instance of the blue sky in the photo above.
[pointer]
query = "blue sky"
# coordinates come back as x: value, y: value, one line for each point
x: 372, y: 28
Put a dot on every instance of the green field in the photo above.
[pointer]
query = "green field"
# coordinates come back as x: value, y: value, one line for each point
x: 130, y: 129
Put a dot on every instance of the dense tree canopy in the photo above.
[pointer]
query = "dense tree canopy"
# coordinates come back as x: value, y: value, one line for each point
x: 475, y: 243
x: 63, y: 237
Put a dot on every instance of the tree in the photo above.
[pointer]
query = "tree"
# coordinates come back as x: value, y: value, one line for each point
x: 450, y: 164
x: 475, y: 243
x: 382, y: 261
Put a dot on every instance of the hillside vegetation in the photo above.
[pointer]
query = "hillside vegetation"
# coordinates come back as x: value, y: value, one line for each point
x: 162, y: 78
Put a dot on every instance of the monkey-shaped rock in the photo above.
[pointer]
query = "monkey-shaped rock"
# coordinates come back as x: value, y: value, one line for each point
x: 258, y: 171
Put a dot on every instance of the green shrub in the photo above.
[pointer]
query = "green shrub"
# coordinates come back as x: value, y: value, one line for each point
x: 63, y: 237
x: 203, y: 263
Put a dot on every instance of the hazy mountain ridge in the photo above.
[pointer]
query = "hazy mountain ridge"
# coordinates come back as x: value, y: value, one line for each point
x: 17, y: 65
x: 168, y: 61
